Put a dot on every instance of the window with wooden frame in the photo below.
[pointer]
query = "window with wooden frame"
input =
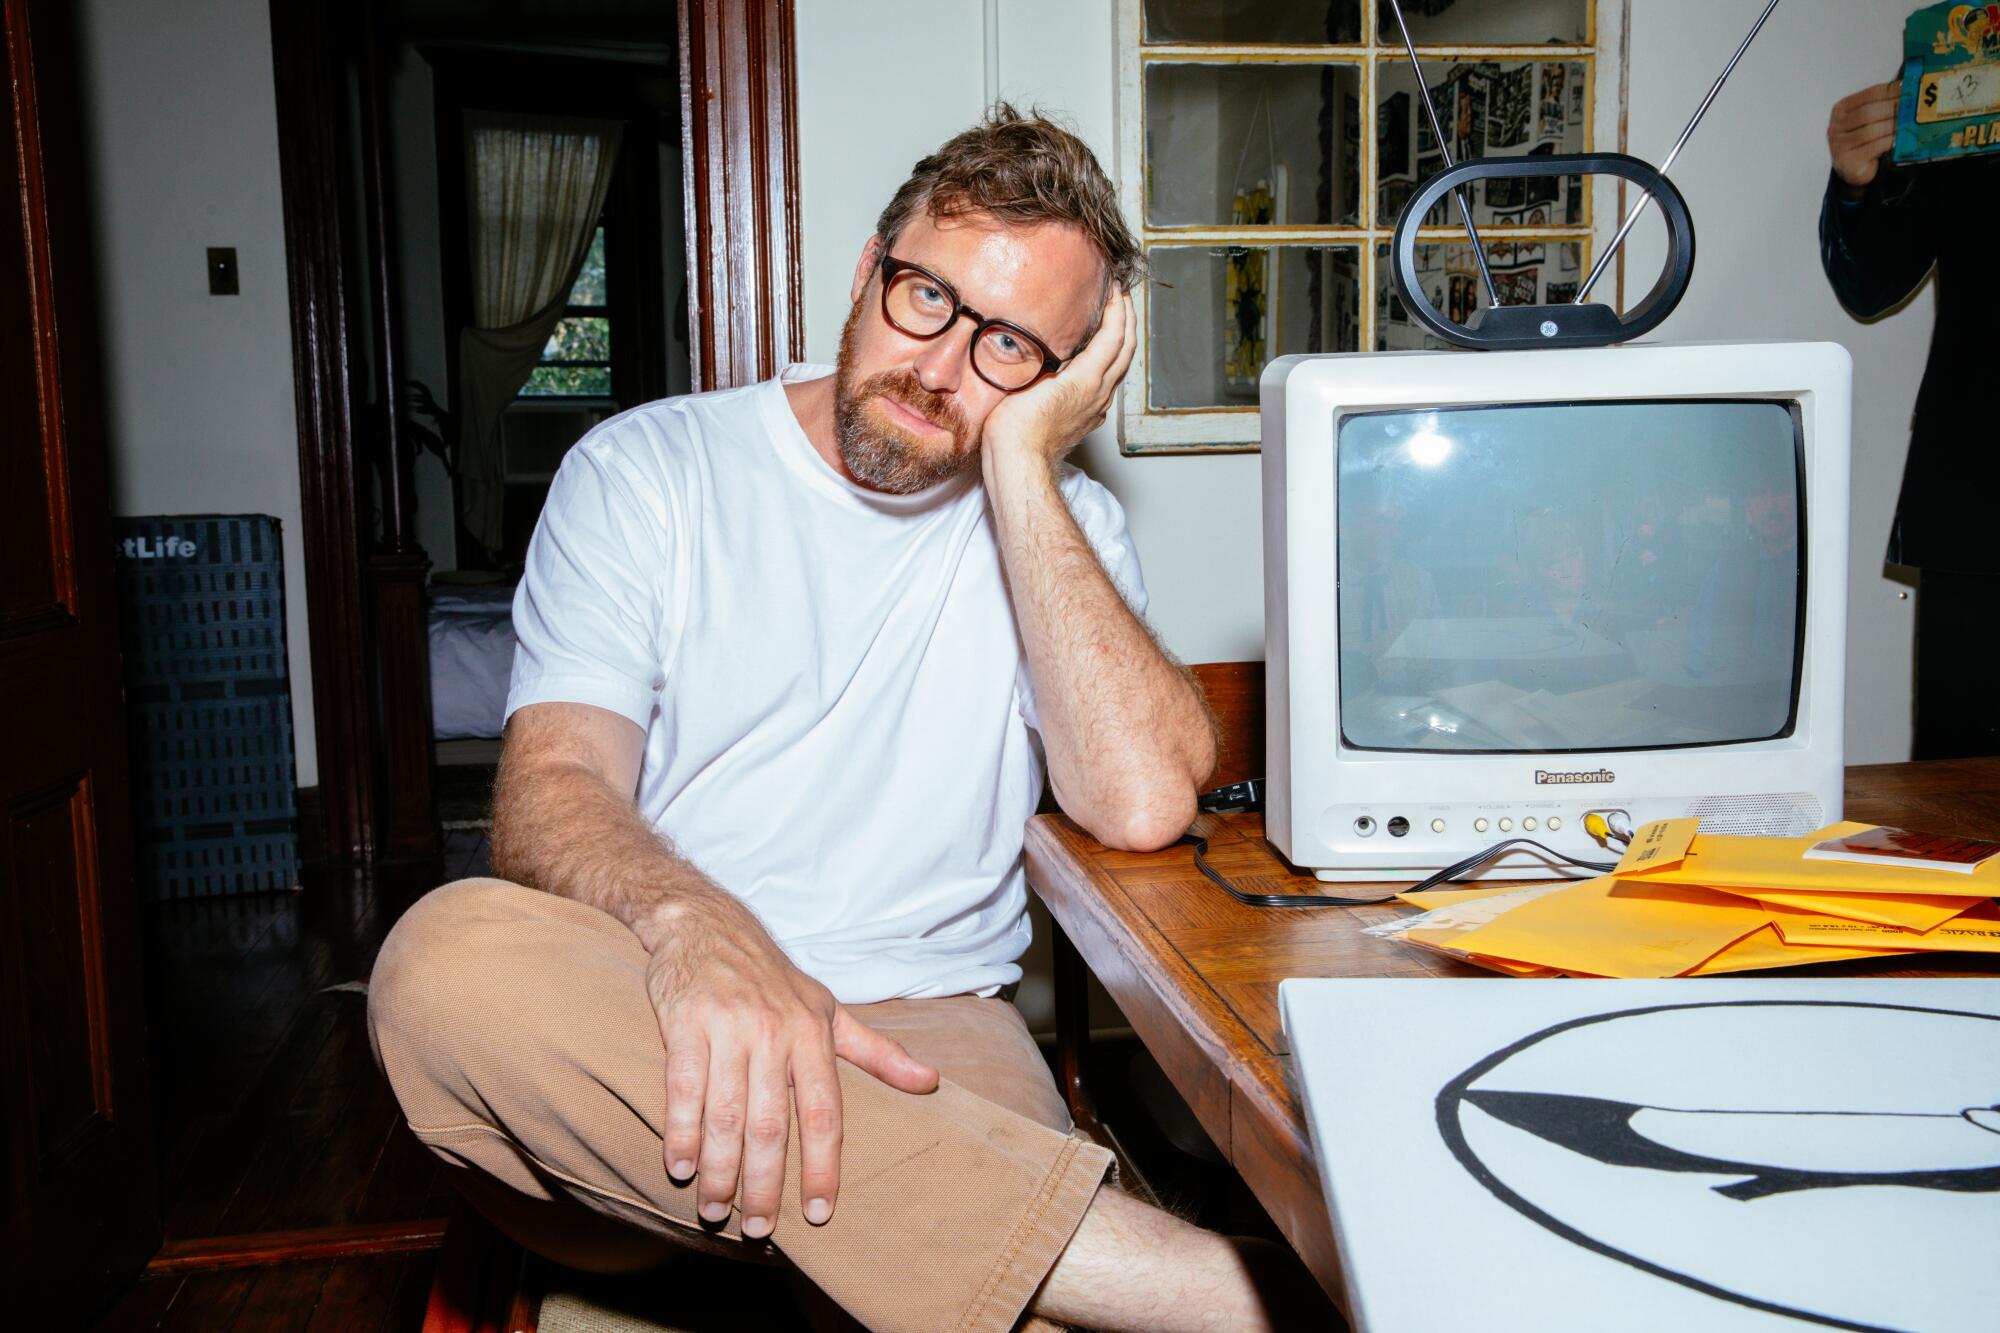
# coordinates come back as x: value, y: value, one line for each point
x: 1267, y: 147
x: 576, y: 363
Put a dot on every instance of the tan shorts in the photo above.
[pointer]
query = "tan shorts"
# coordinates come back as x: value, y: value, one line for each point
x: 516, y: 1030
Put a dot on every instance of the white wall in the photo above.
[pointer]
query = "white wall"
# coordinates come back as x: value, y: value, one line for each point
x: 183, y: 144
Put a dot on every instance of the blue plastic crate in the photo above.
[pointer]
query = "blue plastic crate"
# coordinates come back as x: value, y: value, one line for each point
x: 213, y: 786
x: 204, y: 597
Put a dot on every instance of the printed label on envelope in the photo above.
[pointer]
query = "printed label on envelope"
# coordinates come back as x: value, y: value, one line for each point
x: 1950, y: 104
x: 1976, y: 930
x: 1658, y: 845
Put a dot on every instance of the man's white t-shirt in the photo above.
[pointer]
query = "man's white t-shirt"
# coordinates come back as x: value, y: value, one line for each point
x: 840, y: 723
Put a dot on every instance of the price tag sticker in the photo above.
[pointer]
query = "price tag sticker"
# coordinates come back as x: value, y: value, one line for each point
x: 1973, y: 90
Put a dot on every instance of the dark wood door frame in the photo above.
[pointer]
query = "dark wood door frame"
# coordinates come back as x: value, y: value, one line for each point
x: 79, y: 1189
x: 740, y: 165
x: 740, y: 183
x: 306, y: 67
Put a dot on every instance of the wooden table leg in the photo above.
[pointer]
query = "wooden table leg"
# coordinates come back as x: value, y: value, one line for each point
x: 1073, y: 1031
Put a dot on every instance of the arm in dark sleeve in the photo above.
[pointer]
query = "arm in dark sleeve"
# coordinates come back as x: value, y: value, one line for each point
x: 1878, y: 248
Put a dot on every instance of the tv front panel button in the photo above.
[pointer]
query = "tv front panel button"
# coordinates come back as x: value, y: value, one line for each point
x: 1437, y: 826
x: 1528, y: 824
x: 1555, y: 823
x: 1506, y: 826
x: 1479, y: 826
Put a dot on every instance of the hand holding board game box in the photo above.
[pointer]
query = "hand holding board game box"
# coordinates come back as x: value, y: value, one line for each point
x: 1951, y: 83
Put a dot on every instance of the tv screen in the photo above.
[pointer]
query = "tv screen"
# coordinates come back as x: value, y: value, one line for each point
x: 1570, y: 576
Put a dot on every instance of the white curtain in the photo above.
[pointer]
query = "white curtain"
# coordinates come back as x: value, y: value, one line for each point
x: 534, y: 188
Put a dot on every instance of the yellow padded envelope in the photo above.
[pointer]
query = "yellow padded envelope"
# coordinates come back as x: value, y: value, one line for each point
x: 1779, y: 863
x: 1903, y: 912
x: 1976, y: 930
x: 1617, y: 928
x: 1766, y: 948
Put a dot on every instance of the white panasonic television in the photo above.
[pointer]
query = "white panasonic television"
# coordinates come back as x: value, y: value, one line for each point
x: 1503, y: 590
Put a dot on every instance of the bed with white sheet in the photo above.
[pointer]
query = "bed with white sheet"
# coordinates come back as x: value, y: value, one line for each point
x: 472, y: 654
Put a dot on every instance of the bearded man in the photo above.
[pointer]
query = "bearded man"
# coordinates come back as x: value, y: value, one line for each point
x: 793, y: 659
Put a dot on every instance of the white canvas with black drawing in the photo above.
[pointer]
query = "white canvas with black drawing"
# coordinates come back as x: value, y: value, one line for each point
x: 1725, y: 1154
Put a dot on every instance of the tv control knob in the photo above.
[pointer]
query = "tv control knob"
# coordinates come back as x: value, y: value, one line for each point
x: 1528, y: 824
x: 1506, y: 826
x: 1479, y: 826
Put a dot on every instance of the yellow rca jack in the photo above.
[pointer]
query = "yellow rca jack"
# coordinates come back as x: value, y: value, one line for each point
x: 1608, y: 826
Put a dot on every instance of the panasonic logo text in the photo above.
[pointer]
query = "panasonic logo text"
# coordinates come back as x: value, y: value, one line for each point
x: 1544, y: 778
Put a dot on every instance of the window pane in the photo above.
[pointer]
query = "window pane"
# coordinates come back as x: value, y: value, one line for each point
x: 589, y: 288
x: 568, y: 381
x: 1231, y: 309
x: 1488, y: 109
x: 579, y: 338
x: 1239, y: 145
x: 1289, y: 21
x: 1487, y: 22
x: 1524, y: 273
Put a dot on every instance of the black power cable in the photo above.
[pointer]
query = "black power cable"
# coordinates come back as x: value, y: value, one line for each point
x: 1248, y: 795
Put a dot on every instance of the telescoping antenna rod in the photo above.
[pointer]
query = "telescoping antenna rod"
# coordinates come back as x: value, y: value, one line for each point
x: 1645, y: 196
x: 1437, y: 132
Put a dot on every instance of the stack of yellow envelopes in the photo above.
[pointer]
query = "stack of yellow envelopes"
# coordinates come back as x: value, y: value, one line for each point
x: 1683, y: 903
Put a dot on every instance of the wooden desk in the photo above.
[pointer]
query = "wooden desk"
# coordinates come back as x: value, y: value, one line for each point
x: 1197, y: 973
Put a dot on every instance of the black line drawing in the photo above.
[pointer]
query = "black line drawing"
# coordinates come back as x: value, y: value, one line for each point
x: 1604, y: 1131
x: 1756, y: 1154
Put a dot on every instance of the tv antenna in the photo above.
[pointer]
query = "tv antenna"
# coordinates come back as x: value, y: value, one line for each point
x: 1577, y: 322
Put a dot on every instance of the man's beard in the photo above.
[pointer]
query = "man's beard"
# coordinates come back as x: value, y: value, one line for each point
x: 878, y: 453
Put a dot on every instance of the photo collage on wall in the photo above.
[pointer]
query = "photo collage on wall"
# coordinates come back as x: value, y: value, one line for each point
x: 1485, y: 108
x: 1534, y: 272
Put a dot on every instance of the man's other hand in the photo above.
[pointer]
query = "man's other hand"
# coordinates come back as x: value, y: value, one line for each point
x: 747, y: 1035
x: 1861, y: 129
x: 1047, y: 420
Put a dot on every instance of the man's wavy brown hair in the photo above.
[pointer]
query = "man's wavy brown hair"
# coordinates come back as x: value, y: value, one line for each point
x: 1019, y: 169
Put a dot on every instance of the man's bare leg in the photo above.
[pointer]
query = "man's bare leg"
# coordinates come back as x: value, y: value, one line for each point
x: 1132, y: 1268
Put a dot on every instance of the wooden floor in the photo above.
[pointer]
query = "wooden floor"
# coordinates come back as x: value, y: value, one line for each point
x: 272, y: 1115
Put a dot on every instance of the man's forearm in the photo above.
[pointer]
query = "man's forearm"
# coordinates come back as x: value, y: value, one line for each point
x: 558, y: 827
x: 1127, y: 735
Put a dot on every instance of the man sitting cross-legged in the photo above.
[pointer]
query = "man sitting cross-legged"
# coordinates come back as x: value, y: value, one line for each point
x: 792, y: 658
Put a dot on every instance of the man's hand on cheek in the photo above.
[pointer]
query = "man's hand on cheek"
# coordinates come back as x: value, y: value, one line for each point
x: 1042, y: 423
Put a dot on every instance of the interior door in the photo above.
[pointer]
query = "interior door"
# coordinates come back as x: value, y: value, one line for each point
x: 77, y: 1180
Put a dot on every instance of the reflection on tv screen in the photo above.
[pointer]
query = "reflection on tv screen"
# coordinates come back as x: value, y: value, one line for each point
x: 1590, y: 576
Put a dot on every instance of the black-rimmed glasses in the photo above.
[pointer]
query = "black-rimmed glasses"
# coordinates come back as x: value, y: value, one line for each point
x: 923, y: 305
